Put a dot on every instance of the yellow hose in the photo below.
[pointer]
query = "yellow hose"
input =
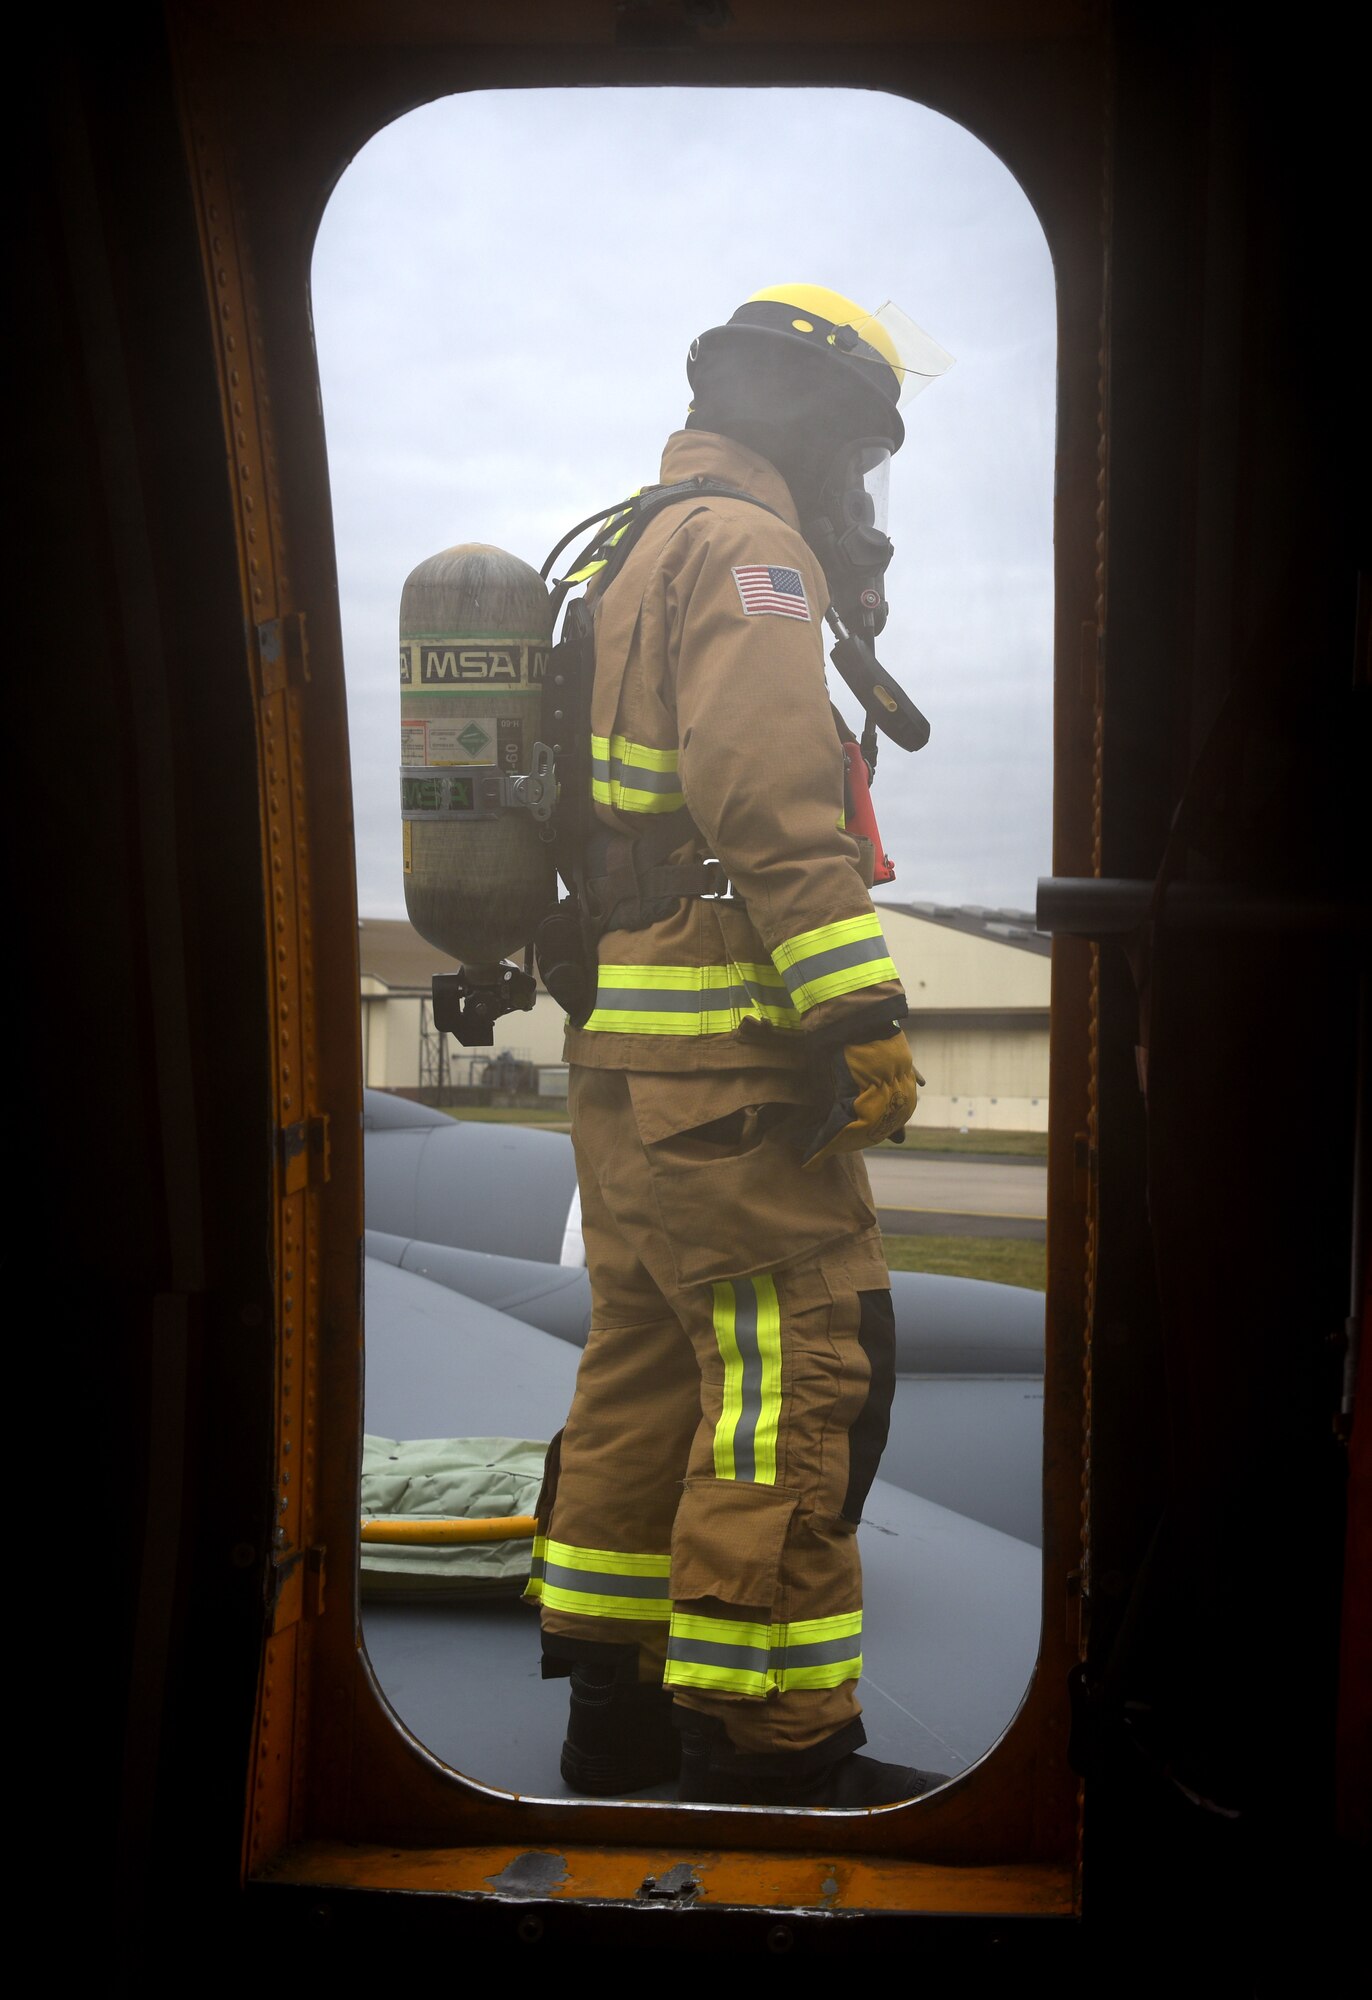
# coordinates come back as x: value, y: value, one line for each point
x: 434, y: 1531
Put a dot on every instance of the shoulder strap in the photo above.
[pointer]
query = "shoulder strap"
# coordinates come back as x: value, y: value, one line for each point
x: 657, y: 497
x: 618, y: 880
x: 621, y: 526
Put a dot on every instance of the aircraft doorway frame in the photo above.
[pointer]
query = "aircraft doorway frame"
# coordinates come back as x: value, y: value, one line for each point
x: 340, y: 1798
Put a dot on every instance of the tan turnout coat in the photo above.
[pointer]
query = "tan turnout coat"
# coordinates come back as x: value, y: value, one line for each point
x: 710, y: 693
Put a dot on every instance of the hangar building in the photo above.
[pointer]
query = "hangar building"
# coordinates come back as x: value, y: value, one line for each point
x: 977, y: 981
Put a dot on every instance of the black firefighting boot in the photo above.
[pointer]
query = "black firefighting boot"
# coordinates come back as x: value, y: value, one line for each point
x: 620, y: 1732
x: 830, y: 1773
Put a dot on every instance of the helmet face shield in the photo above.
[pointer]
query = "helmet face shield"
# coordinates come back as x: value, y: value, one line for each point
x: 914, y: 356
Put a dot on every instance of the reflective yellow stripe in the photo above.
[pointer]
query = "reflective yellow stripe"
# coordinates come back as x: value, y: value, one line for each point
x: 624, y: 751
x: 630, y: 776
x: 769, y: 1347
x: 616, y: 1562
x: 736, y: 1657
x: 733, y: 1381
x: 586, y: 572
x: 588, y: 1604
x: 832, y: 959
x: 631, y: 799
x: 688, y: 999
x: 589, y: 569
x: 747, y: 1324
x: 724, y: 1631
x: 829, y: 1676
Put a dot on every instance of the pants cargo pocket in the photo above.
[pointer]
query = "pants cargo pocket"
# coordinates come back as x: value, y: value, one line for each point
x: 720, y: 1159
x: 726, y: 1561
x: 727, y: 1541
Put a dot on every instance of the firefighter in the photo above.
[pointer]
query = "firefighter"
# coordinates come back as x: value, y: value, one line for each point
x: 696, y: 1564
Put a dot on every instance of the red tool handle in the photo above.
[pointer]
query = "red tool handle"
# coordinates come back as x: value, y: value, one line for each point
x: 861, y: 821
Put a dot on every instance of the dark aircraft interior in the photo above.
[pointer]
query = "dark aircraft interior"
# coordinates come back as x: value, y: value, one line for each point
x: 1185, y: 1791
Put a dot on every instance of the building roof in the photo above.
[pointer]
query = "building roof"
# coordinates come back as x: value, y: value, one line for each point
x: 392, y: 951
x: 940, y: 950
x: 1012, y: 927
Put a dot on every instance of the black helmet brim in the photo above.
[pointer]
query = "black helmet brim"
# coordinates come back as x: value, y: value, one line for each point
x: 782, y: 376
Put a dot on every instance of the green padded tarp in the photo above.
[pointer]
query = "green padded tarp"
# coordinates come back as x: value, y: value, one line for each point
x: 468, y: 1478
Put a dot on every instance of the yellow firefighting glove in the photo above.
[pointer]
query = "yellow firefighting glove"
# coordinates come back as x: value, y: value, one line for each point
x: 874, y: 1098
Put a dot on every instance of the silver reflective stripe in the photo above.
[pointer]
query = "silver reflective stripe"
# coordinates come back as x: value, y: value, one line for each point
x: 749, y: 1381
x: 602, y: 1583
x: 669, y: 1000
x: 750, y: 1409
x: 715, y: 1653
x: 757, y: 1659
x: 634, y: 777
x: 818, y: 1653
x: 838, y: 958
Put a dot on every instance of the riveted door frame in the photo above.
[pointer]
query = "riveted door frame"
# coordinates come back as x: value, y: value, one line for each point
x: 330, y: 1760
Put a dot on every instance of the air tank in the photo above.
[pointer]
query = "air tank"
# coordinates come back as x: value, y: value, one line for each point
x: 475, y: 635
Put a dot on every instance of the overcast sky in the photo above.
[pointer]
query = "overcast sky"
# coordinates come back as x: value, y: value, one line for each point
x: 505, y: 287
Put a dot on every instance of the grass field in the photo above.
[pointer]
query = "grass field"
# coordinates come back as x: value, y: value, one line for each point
x: 949, y: 1139
x: 553, y: 1119
x: 1005, y: 1260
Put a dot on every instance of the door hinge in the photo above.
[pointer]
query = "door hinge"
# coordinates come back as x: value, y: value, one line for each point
x: 297, y: 1586
x: 304, y: 1153
x: 283, y: 653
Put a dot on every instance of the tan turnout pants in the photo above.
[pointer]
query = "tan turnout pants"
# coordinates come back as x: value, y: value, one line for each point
x: 731, y: 1404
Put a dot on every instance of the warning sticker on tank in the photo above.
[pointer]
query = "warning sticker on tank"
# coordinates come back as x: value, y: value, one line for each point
x: 463, y: 740
x: 414, y: 745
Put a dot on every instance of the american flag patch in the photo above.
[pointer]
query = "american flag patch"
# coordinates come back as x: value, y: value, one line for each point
x: 761, y: 587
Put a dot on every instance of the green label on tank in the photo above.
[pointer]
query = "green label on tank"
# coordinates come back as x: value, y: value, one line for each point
x: 439, y: 794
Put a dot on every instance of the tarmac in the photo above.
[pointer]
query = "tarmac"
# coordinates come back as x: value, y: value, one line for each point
x: 924, y: 1194
x: 939, y: 1194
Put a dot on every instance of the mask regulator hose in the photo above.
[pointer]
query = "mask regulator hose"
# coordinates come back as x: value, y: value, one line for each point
x: 883, y: 698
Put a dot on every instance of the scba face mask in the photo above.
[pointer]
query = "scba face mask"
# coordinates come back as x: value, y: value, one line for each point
x: 848, y: 532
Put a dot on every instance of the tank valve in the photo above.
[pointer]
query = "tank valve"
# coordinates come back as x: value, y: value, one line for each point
x: 469, y: 1002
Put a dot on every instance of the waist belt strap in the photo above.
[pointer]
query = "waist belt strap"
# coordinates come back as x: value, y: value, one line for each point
x: 627, y: 889
x: 687, y: 878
